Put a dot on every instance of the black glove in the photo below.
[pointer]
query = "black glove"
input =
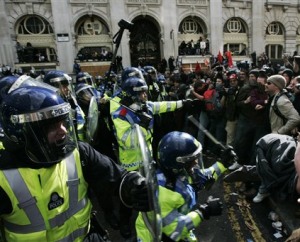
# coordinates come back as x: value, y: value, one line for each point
x: 212, y: 207
x: 134, y: 192
x: 228, y: 156
x: 187, y: 104
x: 145, y: 119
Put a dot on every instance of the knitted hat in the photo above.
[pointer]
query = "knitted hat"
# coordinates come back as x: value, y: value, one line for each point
x: 277, y: 80
x: 254, y: 72
x: 289, y: 72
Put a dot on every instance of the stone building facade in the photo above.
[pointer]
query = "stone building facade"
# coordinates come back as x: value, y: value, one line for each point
x: 58, y: 31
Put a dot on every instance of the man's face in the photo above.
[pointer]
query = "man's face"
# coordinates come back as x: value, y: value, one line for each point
x: 143, y: 97
x: 270, y: 88
x: 233, y: 82
x: 56, y: 133
x: 64, y: 89
x: 242, y: 76
x: 252, y: 77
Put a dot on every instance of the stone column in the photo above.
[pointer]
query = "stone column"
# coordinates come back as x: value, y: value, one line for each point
x: 7, y: 46
x: 117, y: 12
x: 170, y: 23
x: 216, y: 26
x: 258, y: 28
x: 62, y: 15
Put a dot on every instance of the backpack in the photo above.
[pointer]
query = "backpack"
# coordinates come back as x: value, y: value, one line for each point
x: 275, y: 107
x: 213, y: 104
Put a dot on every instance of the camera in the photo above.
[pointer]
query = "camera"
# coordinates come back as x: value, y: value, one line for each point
x: 125, y: 24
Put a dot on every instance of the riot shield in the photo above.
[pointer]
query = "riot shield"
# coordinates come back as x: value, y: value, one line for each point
x: 92, y: 120
x: 152, y: 219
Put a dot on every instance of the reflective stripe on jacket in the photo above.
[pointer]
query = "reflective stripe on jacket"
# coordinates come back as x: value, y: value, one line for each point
x: 178, y: 217
x: 176, y: 206
x: 124, y: 120
x: 49, y: 204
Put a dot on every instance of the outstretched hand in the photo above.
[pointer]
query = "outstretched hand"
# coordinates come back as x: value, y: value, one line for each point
x: 228, y: 156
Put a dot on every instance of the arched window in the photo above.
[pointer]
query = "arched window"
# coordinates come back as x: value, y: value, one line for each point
x: 91, y: 26
x: 234, y: 25
x: 274, y: 40
x: 274, y: 28
x: 35, y: 35
x: 33, y: 24
x: 191, y: 26
x: 235, y: 36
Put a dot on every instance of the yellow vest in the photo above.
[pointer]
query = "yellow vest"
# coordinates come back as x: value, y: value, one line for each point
x: 49, y: 204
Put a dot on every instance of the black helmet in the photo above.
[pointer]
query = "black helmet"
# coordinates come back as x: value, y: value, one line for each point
x: 29, y: 115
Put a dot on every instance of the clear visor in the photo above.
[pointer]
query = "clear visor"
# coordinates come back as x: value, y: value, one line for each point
x: 64, y: 84
x: 50, y: 142
x: 191, y: 157
x: 49, y: 134
x: 140, y: 89
x: 87, y: 79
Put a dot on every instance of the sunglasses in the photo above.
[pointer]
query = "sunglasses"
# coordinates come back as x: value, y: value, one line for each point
x: 269, y: 83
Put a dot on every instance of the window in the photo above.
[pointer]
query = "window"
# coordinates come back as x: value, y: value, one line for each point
x: 274, y: 51
x: 91, y: 26
x: 235, y: 49
x: 191, y: 26
x: 234, y: 25
x: 34, y: 25
x: 274, y: 28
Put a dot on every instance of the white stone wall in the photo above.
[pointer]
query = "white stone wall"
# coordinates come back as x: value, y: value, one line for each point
x: 63, y: 15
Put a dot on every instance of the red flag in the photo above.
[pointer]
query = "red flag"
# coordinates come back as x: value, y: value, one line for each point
x: 198, y: 67
x: 220, y: 57
x: 229, y: 59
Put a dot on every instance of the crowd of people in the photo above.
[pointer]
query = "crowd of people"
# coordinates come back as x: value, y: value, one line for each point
x: 93, y: 133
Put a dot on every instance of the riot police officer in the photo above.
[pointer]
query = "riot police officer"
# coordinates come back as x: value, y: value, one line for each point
x: 46, y: 174
x: 179, y: 177
x: 63, y: 82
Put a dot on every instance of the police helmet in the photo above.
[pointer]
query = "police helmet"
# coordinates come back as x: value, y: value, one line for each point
x: 6, y: 70
x: 5, y: 84
x: 84, y: 77
x: 10, y: 83
x: 133, y: 86
x: 56, y: 77
x: 29, y: 115
x: 131, y: 72
x: 59, y: 79
x: 99, y: 80
x: 84, y: 94
x: 177, y: 151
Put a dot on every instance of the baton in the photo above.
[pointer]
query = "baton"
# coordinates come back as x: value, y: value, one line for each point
x: 205, y: 131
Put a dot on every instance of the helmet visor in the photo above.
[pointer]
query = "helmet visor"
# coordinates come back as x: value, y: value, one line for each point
x: 48, y: 140
x: 64, y: 84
